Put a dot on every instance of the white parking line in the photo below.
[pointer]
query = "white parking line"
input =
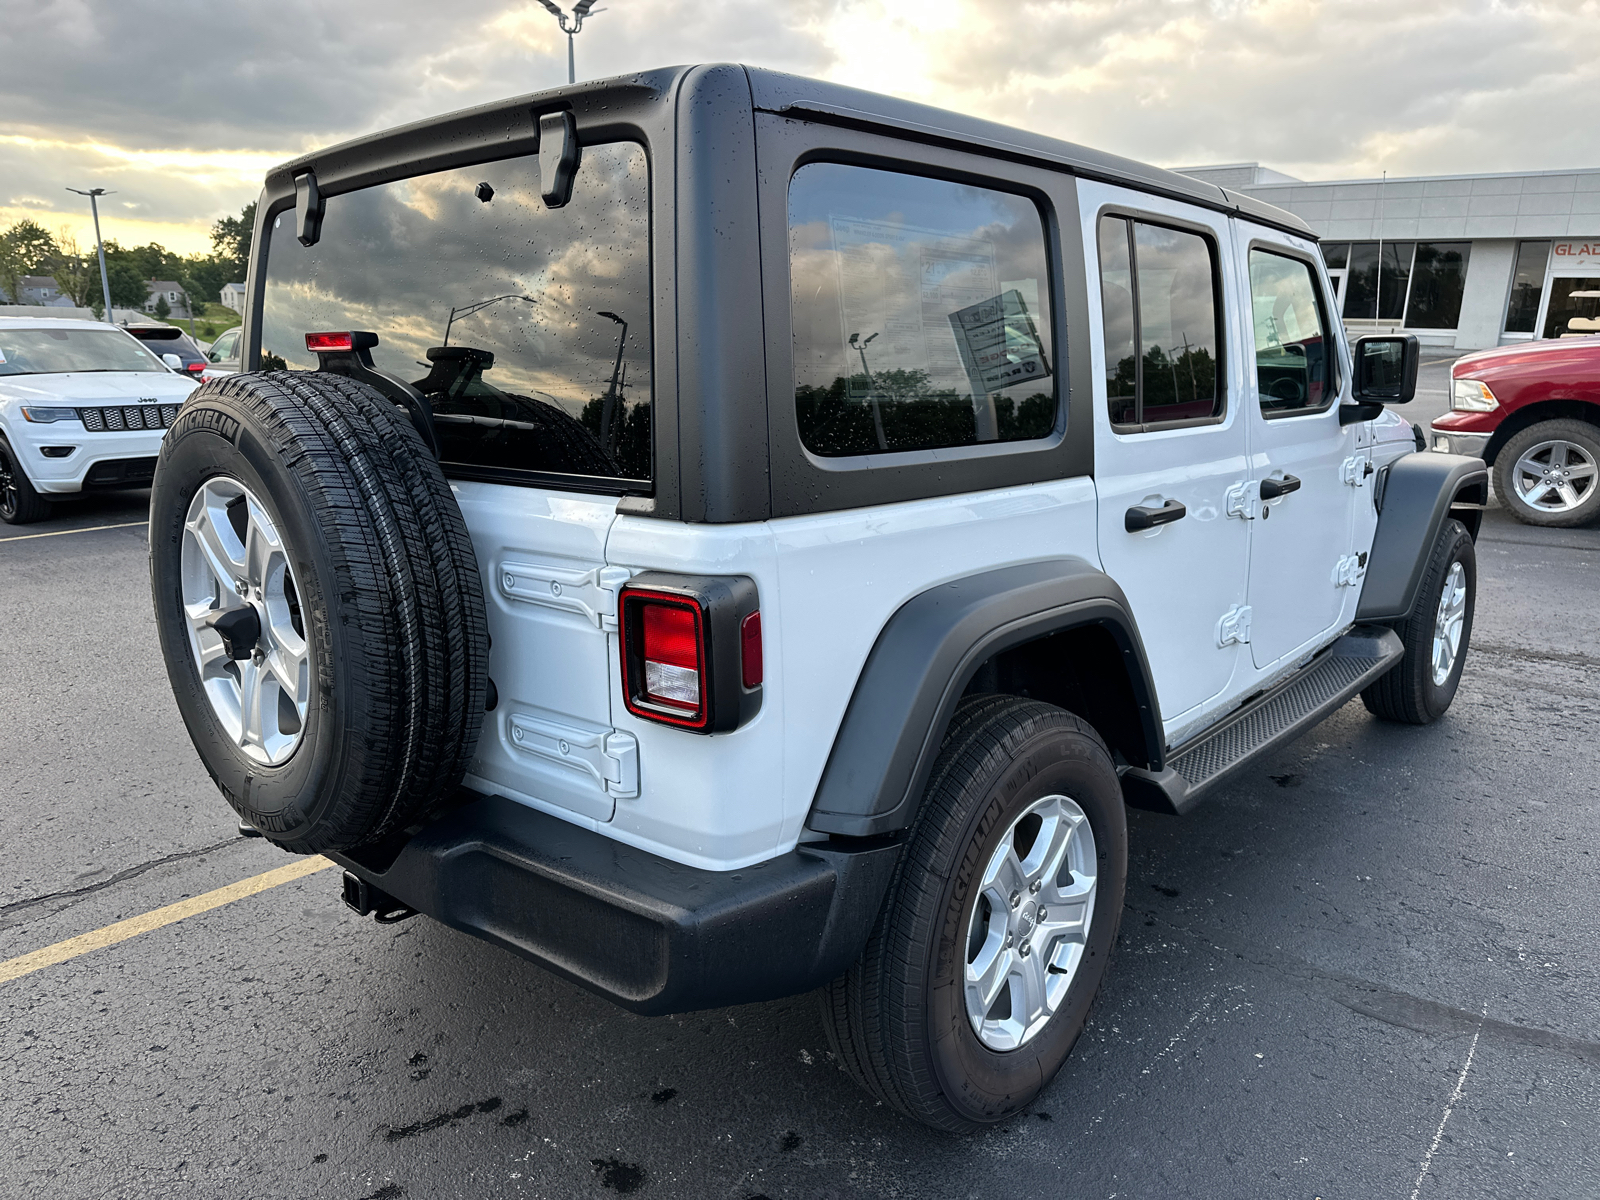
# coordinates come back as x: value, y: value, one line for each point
x: 1455, y: 1099
x: 59, y: 532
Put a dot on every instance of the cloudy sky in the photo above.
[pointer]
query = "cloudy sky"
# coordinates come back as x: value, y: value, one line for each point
x: 180, y: 105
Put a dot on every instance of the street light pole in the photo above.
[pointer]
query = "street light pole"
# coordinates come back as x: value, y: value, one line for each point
x: 466, y: 310
x: 609, y: 409
x: 100, y: 246
x: 570, y: 26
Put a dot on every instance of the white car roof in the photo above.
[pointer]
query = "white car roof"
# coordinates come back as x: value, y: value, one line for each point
x: 54, y: 323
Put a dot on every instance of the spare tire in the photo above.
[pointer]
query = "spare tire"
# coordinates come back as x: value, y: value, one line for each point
x: 319, y: 607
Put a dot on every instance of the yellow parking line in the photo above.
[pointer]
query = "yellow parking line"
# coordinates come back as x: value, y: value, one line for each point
x: 121, y: 931
x: 22, y: 537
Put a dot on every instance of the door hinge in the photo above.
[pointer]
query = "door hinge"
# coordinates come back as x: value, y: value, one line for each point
x: 1350, y: 570
x: 591, y: 593
x: 610, y: 759
x: 1234, y: 626
x: 1355, y: 470
x: 1243, y: 500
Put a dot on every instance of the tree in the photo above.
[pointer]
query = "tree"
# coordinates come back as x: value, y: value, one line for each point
x: 203, y: 276
x: 27, y: 248
x: 231, y: 238
x: 11, y: 273
x: 163, y: 309
x: 129, y: 286
x: 77, y: 274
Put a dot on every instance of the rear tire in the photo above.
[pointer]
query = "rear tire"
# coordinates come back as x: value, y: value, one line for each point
x: 1420, y: 687
x: 19, y: 503
x: 386, y: 605
x: 900, y: 1021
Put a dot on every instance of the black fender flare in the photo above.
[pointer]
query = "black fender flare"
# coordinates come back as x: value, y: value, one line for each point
x: 927, y: 653
x: 1414, y: 498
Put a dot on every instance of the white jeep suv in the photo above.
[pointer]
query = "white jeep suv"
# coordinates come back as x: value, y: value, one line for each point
x: 720, y: 535
x: 83, y: 405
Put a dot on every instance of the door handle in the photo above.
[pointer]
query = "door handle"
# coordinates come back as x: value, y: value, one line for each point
x: 1139, y: 518
x: 1271, y: 489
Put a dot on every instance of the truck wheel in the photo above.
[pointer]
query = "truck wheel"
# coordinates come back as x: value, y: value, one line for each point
x: 1420, y: 687
x: 1549, y: 474
x: 319, y: 607
x: 995, y: 935
x: 19, y: 503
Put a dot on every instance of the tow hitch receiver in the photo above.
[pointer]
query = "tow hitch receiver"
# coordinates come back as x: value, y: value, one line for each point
x: 363, y: 898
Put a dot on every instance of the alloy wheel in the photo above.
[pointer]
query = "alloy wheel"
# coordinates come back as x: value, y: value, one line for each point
x: 246, y: 629
x: 1554, y: 476
x: 9, y: 496
x: 1448, y: 623
x: 1030, y: 923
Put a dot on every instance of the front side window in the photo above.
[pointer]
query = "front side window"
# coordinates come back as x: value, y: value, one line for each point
x: 1158, y: 296
x: 921, y: 313
x: 1294, y: 357
x: 528, y: 328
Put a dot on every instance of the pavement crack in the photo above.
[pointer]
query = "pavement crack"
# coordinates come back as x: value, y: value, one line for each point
x: 111, y: 881
x: 1390, y: 1006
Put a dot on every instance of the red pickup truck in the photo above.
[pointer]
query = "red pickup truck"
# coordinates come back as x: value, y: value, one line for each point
x: 1532, y: 412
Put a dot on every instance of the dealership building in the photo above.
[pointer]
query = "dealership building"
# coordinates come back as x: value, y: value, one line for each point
x: 1462, y: 261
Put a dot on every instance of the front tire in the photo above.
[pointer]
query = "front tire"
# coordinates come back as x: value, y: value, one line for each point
x: 1420, y: 687
x: 20, y: 504
x: 998, y: 926
x: 1549, y: 474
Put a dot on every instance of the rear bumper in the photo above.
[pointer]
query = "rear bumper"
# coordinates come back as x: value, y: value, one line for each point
x: 653, y: 935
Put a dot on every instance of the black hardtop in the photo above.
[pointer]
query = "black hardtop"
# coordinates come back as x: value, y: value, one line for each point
x: 509, y: 127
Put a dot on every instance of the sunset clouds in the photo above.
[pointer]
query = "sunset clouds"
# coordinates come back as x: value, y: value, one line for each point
x: 180, y: 106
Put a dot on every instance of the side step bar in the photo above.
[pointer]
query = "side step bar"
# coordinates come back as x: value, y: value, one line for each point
x: 1287, y: 711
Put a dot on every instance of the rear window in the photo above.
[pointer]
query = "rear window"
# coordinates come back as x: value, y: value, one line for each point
x: 921, y: 313
x: 528, y: 328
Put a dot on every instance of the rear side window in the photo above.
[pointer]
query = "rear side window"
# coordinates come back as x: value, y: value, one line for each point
x: 921, y: 313
x: 1158, y: 293
x: 528, y: 328
x: 1294, y: 359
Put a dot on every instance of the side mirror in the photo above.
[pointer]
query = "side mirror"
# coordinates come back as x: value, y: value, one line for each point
x: 1386, y: 369
x: 173, y: 361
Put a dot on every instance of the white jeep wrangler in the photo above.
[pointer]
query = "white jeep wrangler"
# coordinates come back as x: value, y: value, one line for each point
x: 720, y: 535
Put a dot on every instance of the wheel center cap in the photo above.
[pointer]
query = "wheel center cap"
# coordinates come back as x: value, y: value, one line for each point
x: 1026, y: 920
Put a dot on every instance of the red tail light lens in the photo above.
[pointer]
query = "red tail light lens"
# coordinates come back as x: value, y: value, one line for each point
x: 196, y: 366
x: 691, y: 650
x: 325, y: 342
x: 672, y: 658
x: 664, y: 656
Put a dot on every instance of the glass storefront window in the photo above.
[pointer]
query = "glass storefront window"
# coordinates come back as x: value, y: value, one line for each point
x: 1419, y: 284
x: 1437, y: 280
x: 1336, y: 255
x: 1574, y: 308
x: 1527, y: 286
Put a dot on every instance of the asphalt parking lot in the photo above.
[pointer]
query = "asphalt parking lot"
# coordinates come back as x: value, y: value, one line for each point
x: 1366, y: 969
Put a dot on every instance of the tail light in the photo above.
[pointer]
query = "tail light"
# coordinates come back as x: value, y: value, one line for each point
x: 196, y: 366
x: 691, y: 650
